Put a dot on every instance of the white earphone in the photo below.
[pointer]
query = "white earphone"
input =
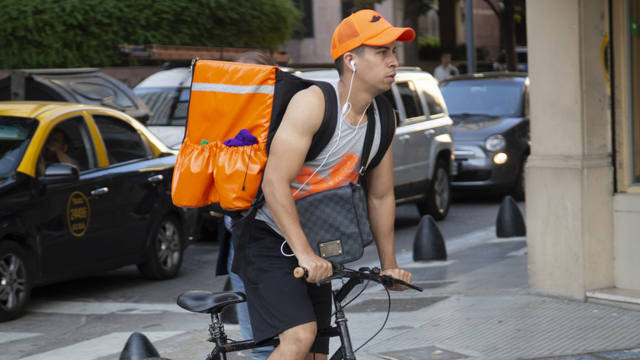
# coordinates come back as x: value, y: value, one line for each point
x: 353, y: 65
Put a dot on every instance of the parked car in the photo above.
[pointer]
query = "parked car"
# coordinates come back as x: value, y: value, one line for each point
x: 522, y: 63
x: 166, y: 93
x: 491, y: 130
x: 79, y: 85
x: 83, y: 189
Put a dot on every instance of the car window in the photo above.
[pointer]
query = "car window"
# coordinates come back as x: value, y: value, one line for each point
x: 68, y: 142
x: 484, y: 97
x: 15, y: 135
x: 123, y: 141
x: 433, y: 97
x: 168, y: 105
x: 410, y: 99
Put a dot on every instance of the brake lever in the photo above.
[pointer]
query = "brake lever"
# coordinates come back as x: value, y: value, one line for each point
x: 390, y: 281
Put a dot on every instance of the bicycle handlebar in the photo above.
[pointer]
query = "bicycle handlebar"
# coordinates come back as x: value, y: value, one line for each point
x: 364, y: 273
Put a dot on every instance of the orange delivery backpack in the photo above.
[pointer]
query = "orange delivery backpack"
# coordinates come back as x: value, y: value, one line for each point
x: 234, y: 112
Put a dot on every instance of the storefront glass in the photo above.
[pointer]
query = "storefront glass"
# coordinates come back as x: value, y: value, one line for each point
x: 634, y: 42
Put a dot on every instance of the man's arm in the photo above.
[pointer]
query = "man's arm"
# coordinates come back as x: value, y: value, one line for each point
x: 382, y: 206
x: 288, y: 151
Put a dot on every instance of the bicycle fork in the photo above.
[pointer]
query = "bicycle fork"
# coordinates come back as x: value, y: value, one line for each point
x: 346, y: 350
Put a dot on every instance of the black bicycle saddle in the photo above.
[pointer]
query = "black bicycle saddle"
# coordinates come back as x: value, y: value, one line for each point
x: 202, y: 301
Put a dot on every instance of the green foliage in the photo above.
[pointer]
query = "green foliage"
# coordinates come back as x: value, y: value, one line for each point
x: 77, y: 33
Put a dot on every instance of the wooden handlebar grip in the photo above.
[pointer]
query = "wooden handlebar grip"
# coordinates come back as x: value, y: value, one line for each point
x: 299, y: 272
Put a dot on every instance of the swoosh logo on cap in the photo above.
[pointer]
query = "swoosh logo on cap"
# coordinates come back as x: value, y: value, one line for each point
x: 375, y: 18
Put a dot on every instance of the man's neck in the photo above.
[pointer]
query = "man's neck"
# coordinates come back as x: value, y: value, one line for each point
x: 359, y: 98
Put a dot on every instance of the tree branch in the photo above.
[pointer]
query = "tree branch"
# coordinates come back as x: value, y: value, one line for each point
x: 493, y: 7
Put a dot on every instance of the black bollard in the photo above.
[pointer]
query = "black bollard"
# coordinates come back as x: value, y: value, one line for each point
x: 229, y: 314
x: 429, y: 243
x: 510, y: 221
x: 138, y: 347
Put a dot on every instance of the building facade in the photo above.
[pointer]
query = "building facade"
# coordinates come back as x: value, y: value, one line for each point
x: 320, y: 18
x: 583, y: 174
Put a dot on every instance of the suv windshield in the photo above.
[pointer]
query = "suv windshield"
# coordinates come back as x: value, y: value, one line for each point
x: 483, y: 97
x: 169, y: 105
x: 15, y: 134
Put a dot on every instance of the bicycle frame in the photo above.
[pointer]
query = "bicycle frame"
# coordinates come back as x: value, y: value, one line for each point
x: 223, y: 346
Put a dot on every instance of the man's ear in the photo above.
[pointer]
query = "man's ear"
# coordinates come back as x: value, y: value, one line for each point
x: 348, y: 60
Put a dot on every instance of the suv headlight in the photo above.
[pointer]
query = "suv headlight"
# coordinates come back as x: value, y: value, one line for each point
x: 495, y: 142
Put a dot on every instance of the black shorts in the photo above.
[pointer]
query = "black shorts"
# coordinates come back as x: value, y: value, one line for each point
x: 277, y: 300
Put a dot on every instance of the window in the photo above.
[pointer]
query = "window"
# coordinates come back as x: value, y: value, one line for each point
x: 169, y: 106
x: 347, y: 8
x: 410, y: 99
x: 15, y: 135
x: 634, y: 41
x: 123, y: 142
x: 306, y: 8
x: 433, y: 97
x: 68, y: 142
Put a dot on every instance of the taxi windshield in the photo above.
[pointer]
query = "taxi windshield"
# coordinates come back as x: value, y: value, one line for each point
x: 15, y: 133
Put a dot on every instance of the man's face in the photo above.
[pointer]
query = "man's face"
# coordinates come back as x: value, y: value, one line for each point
x: 54, y: 142
x: 446, y: 59
x: 376, y: 66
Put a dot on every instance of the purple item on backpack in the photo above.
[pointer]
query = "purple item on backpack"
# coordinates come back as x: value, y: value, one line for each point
x: 243, y: 138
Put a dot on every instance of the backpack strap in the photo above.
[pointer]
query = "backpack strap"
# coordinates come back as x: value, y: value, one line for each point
x: 322, y: 137
x: 372, y: 118
x: 387, y: 129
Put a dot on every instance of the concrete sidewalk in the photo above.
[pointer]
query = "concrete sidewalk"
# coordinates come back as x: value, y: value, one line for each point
x: 476, y: 305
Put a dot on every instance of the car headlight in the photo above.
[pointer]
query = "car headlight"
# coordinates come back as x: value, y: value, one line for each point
x: 495, y: 142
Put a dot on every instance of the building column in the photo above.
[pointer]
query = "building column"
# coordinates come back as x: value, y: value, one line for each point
x: 569, y: 177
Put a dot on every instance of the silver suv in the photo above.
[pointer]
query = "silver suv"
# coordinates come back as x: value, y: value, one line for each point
x: 422, y: 148
x: 423, y: 145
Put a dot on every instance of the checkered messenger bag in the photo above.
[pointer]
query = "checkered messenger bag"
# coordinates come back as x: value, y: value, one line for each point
x: 336, y: 221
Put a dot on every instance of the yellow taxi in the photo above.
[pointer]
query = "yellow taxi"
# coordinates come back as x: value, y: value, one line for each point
x: 83, y: 189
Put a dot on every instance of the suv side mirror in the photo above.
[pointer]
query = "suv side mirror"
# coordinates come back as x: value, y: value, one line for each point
x: 60, y: 173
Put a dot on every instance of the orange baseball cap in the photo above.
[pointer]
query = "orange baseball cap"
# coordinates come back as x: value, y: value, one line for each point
x: 366, y: 27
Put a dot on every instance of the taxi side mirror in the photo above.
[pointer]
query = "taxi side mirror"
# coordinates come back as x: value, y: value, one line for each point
x: 60, y: 173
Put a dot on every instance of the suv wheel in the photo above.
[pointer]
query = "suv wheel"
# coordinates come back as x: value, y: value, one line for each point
x: 438, y: 197
x: 165, y: 251
x: 15, y: 281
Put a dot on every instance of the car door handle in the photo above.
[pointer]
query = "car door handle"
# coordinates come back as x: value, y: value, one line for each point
x: 429, y: 132
x: 155, y: 178
x: 99, y: 191
x: 404, y: 137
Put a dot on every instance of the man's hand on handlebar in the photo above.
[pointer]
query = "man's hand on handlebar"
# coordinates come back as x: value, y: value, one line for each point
x: 316, y: 267
x: 399, y: 274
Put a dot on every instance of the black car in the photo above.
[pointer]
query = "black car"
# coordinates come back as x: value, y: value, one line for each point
x: 83, y: 189
x: 491, y: 141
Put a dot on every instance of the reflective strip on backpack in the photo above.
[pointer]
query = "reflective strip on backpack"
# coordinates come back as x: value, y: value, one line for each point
x: 233, y: 89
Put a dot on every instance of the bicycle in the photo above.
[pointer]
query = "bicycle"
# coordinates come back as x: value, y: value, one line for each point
x: 200, y: 301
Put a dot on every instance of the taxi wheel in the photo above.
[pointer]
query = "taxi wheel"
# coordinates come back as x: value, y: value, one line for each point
x: 438, y: 197
x: 15, y: 281
x: 164, y: 256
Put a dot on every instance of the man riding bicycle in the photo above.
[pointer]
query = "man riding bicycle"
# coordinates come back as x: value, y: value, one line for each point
x: 363, y: 47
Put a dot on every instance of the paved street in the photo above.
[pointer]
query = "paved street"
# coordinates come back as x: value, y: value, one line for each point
x: 91, y: 318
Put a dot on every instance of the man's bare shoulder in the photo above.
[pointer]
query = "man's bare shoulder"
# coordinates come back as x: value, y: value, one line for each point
x: 306, y: 108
